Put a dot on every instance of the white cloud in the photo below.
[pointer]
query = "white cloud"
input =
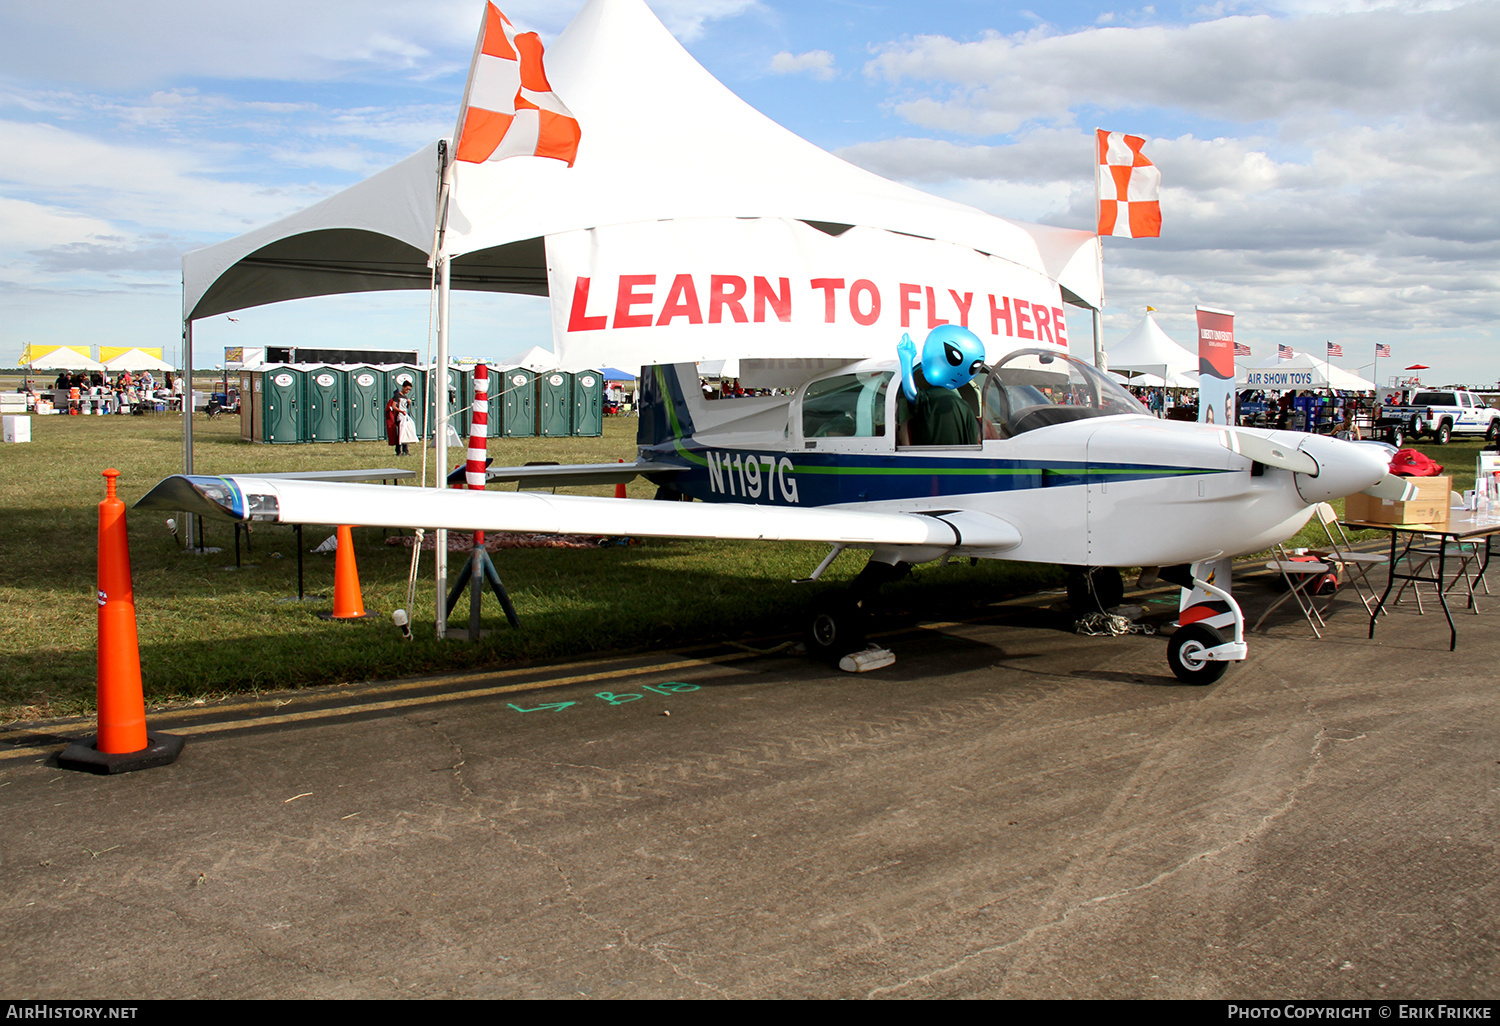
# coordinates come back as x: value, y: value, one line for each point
x: 25, y: 225
x: 180, y: 189
x: 688, y: 19
x: 131, y: 45
x: 817, y: 63
x: 1355, y: 203
x: 1236, y: 68
x: 1375, y: 228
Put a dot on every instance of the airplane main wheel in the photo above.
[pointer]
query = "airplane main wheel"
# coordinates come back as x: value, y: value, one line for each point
x: 1185, y: 654
x: 837, y: 628
x: 1095, y: 589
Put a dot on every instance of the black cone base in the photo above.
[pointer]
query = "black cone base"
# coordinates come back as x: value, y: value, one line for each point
x: 160, y: 750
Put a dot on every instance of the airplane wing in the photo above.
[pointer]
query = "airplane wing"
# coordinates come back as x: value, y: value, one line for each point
x: 278, y: 500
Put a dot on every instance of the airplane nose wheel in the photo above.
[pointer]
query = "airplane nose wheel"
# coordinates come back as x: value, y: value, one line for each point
x: 1185, y: 654
x: 837, y: 628
x: 1094, y: 589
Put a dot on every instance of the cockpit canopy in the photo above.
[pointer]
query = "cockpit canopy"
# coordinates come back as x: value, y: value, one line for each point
x: 1034, y: 388
x: 1028, y: 389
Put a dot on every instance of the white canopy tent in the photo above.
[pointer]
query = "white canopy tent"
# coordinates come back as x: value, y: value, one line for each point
x: 662, y: 139
x: 663, y: 142
x: 536, y: 359
x: 135, y: 360
x: 60, y: 358
x: 1149, y: 350
x: 1141, y: 378
x: 1303, y: 370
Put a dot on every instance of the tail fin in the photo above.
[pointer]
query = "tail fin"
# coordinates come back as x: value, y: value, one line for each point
x: 665, y: 415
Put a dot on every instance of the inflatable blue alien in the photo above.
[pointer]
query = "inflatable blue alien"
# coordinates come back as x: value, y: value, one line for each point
x: 951, y: 357
x: 938, y: 415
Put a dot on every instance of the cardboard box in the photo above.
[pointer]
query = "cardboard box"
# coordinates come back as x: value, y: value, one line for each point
x: 1430, y: 506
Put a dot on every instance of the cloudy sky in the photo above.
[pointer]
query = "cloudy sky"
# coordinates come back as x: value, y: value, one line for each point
x: 1329, y: 167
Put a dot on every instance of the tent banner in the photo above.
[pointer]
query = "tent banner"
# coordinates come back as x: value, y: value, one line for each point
x: 712, y: 288
x: 107, y: 353
x: 1215, y: 366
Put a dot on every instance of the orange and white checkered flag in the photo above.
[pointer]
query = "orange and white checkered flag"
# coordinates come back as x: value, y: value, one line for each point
x: 509, y: 108
x: 1129, y: 187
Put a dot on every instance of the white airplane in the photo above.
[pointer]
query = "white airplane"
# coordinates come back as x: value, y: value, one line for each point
x: 1070, y: 469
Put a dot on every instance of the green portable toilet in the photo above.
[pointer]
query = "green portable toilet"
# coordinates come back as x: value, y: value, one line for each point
x: 282, y: 412
x: 364, y: 413
x: 516, y: 403
x: 460, y: 394
x: 325, y: 402
x: 397, y: 376
x: 588, y: 403
x: 554, y: 391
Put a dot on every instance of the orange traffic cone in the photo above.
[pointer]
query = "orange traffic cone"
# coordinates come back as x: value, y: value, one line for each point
x: 348, y: 602
x: 620, y: 488
x: 122, y: 743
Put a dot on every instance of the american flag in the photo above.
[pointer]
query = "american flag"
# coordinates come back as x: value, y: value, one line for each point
x: 1334, y: 349
x: 1382, y: 352
x: 1240, y: 349
x: 1284, y: 352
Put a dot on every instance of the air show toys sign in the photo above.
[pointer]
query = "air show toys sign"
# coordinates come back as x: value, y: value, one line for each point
x: 1271, y: 377
x: 677, y: 291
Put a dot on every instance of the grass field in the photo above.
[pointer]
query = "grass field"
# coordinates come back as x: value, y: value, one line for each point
x: 208, y: 629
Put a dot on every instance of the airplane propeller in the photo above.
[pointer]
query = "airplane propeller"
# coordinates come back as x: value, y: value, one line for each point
x: 1272, y: 454
x: 1323, y: 468
x: 1397, y: 489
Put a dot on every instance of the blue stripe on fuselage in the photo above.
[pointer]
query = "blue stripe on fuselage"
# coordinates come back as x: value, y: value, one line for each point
x: 776, y: 477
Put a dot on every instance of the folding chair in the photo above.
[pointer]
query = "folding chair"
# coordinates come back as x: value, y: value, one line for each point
x: 1355, y: 564
x: 1298, y: 575
x: 1421, y: 556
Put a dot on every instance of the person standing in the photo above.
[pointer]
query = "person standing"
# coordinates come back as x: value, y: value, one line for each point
x: 400, y: 429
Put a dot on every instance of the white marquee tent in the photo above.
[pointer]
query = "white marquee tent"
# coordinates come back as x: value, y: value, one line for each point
x: 662, y: 139
x: 136, y: 360
x: 535, y: 359
x: 37, y: 358
x: 1149, y: 350
x: 1303, y: 370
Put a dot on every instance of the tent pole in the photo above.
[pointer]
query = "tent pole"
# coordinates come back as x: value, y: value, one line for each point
x: 1098, y: 319
x: 440, y: 427
x: 187, y: 417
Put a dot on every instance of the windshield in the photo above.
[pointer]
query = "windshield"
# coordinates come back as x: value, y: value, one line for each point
x: 1434, y: 399
x: 846, y: 406
x: 1033, y: 388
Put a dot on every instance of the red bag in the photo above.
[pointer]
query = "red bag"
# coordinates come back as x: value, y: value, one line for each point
x: 1323, y: 584
x: 1410, y: 463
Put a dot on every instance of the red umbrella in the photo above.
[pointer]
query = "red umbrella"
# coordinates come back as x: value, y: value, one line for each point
x: 1419, y: 366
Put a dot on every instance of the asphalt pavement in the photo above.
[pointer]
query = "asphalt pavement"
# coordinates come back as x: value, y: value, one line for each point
x: 1011, y: 810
